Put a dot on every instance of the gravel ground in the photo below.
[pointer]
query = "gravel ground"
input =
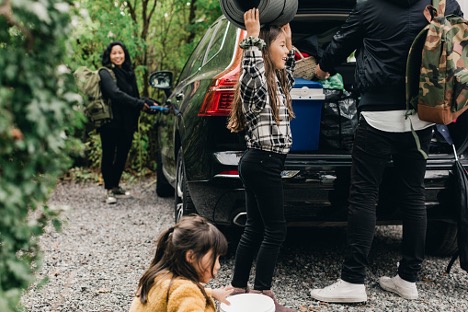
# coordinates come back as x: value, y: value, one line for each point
x: 94, y: 264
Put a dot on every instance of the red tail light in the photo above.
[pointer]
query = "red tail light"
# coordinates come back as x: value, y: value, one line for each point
x: 218, y: 100
x: 229, y: 172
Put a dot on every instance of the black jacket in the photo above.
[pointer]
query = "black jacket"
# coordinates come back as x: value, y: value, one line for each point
x: 124, y: 97
x: 381, y: 32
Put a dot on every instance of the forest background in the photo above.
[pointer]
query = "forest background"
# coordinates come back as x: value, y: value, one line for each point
x: 160, y: 35
x: 43, y: 132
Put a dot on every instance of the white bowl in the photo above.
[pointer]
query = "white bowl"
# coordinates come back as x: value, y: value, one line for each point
x: 248, y: 303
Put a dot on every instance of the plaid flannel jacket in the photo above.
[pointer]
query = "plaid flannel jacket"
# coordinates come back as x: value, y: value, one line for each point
x: 262, y: 130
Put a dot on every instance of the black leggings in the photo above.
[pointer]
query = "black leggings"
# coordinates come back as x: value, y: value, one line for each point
x: 116, y: 144
x: 265, y: 229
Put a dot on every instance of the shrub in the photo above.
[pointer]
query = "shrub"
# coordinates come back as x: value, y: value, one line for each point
x: 37, y: 116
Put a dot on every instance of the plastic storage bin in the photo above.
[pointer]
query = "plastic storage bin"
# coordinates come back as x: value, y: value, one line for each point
x: 307, y: 101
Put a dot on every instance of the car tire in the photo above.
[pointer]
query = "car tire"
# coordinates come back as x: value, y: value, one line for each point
x: 183, y: 204
x: 441, y: 238
x: 163, y: 187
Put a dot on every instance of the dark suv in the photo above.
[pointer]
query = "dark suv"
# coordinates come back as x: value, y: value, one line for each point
x: 198, y: 156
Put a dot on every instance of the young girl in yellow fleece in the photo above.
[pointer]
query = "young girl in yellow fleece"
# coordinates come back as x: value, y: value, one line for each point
x: 187, y: 257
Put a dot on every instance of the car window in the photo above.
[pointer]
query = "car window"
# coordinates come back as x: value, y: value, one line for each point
x: 196, y: 59
x: 214, y: 50
x: 218, y: 40
x: 222, y: 47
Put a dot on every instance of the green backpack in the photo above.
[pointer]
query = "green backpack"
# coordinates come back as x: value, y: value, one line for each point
x: 96, y: 108
x: 437, y: 78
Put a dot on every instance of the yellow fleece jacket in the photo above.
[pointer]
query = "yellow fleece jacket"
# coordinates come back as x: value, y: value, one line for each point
x: 184, y: 296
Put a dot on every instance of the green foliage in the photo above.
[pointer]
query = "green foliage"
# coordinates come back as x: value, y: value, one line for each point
x: 37, y: 118
x: 161, y: 41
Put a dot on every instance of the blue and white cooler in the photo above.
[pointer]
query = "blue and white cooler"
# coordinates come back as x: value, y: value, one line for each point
x: 307, y: 101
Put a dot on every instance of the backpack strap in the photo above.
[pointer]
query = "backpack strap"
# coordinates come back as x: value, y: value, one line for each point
x: 439, y: 5
x: 111, y: 72
x: 408, y: 113
x: 437, y: 8
x: 417, y: 141
x: 430, y: 12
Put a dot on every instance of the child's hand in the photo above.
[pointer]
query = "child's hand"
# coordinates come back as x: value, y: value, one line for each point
x: 220, y: 294
x: 252, y: 22
x: 287, y: 31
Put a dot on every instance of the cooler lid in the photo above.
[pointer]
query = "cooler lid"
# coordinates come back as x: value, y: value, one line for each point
x: 301, y: 82
x: 304, y: 89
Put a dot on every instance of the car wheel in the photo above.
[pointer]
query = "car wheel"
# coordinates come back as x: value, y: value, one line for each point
x: 441, y: 239
x: 183, y: 204
x: 163, y: 187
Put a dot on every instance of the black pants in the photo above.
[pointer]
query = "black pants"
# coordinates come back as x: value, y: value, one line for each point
x: 265, y: 229
x: 371, y: 152
x: 116, y: 144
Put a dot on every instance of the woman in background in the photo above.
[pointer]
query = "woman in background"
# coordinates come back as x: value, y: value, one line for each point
x: 117, y: 133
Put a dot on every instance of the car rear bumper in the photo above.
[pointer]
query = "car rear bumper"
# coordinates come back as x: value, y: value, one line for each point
x: 316, y: 191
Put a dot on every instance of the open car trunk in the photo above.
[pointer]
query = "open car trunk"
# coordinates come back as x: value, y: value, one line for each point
x: 313, y: 29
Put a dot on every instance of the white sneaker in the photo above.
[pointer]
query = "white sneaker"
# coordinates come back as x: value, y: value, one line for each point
x: 110, y: 198
x: 341, y: 291
x: 399, y: 286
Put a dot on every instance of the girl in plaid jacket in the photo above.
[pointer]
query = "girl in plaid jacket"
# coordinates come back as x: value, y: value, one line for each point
x: 262, y: 109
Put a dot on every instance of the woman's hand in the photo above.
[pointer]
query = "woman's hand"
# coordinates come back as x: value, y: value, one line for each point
x: 220, y: 294
x: 146, y: 107
x: 252, y: 22
x: 287, y: 32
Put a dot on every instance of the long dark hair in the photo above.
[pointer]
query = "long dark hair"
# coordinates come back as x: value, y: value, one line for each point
x: 105, y: 59
x: 191, y: 233
x: 236, y: 122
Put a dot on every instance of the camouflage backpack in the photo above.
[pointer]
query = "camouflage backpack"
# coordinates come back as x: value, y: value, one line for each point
x: 437, y: 78
x: 96, y: 108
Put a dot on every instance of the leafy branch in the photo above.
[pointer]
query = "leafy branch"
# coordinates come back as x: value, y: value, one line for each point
x: 7, y: 12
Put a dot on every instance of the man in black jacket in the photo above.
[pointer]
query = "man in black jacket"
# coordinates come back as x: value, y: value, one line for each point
x: 381, y: 32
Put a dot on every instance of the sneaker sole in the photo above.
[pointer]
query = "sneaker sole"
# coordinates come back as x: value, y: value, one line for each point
x: 111, y: 202
x: 395, y: 291
x: 338, y: 300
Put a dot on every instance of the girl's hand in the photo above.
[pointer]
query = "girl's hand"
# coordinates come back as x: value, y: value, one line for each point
x: 220, y: 294
x: 252, y: 22
x: 287, y: 31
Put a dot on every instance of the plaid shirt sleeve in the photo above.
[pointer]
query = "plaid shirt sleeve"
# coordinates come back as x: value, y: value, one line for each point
x: 253, y: 82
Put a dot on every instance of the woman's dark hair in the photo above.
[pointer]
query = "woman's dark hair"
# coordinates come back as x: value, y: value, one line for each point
x: 236, y: 122
x: 105, y: 59
x: 193, y: 233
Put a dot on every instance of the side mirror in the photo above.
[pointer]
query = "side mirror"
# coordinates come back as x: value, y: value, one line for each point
x: 161, y: 80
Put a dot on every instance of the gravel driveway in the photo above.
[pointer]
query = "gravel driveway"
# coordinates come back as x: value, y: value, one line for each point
x: 94, y: 264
